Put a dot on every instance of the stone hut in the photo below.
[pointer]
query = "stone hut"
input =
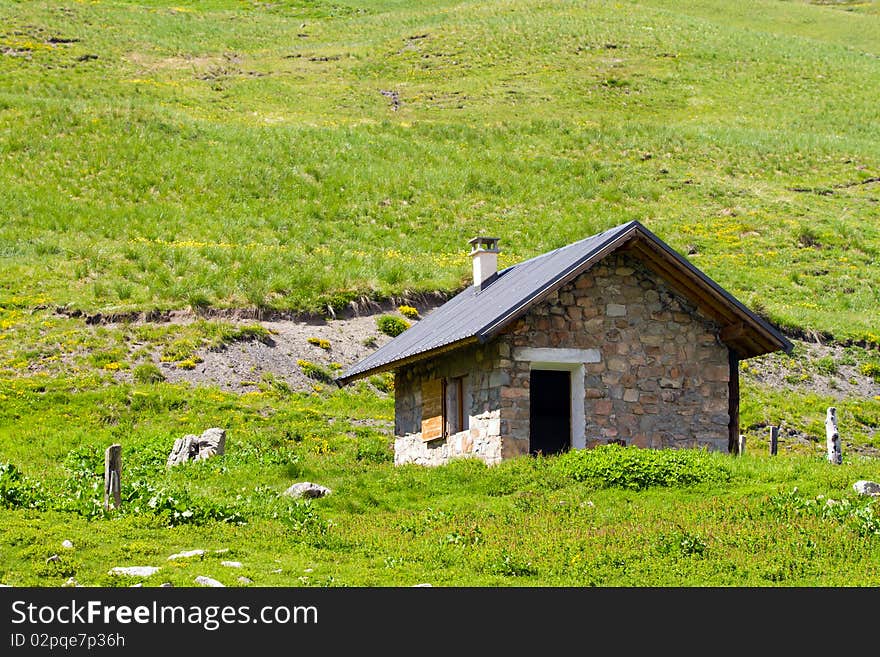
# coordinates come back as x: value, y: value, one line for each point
x: 614, y: 338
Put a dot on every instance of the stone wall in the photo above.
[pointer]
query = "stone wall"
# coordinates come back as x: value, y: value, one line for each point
x: 654, y: 372
x: 662, y: 376
x: 482, y: 403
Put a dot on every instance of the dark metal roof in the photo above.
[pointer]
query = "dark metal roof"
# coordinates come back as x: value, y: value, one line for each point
x: 475, y: 316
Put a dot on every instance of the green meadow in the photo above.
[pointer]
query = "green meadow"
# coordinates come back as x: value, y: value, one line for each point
x: 304, y: 155
x: 297, y: 154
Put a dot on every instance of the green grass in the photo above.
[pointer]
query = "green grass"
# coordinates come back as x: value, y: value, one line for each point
x: 301, y: 155
x: 612, y: 517
x: 238, y: 154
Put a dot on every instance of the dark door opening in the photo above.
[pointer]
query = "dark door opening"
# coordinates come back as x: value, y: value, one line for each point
x: 549, y: 412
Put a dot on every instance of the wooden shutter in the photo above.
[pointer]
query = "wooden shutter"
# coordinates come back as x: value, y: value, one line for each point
x: 433, y: 420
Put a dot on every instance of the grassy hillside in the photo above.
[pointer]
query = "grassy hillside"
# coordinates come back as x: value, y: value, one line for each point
x: 294, y: 154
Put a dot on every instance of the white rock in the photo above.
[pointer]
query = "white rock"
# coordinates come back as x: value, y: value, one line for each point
x: 186, y: 555
x: 415, y: 586
x: 864, y: 487
x: 166, y: 585
x: 221, y: 551
x: 134, y: 571
x: 207, y: 581
x: 190, y: 447
x: 307, y: 489
x: 231, y: 564
x: 212, y: 442
x: 67, y: 545
x: 70, y: 583
x: 184, y: 449
x: 135, y: 586
x: 5, y: 586
x: 245, y: 580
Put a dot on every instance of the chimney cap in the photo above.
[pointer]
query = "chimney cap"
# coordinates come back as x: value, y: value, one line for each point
x: 483, y: 243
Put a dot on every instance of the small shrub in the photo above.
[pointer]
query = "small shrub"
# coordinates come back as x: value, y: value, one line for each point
x: 17, y: 492
x: 175, y: 507
x: 247, y: 332
x: 391, y: 325
x: 109, y: 360
x: 319, y: 342
x: 408, y: 311
x: 871, y: 369
x: 383, y: 382
x: 315, y: 371
x: 271, y: 383
x: 179, y: 350
x: 635, y: 468
x: 189, y: 363
x: 370, y: 341
x: 147, y: 373
x: 826, y: 365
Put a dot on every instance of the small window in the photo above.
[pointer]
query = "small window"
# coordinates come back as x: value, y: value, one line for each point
x: 443, y: 407
x: 455, y: 415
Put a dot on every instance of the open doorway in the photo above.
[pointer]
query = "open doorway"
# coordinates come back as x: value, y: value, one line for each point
x: 549, y: 411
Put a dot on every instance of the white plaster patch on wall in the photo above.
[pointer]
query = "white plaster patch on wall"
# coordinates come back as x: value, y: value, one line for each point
x: 557, y: 355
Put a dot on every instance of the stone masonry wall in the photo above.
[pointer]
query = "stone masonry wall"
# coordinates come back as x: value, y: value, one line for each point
x: 662, y: 376
x: 482, y: 403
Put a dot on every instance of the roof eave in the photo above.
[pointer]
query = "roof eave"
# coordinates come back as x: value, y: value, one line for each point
x: 397, y: 364
x: 757, y: 337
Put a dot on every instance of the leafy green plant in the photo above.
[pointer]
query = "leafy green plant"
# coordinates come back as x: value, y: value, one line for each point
x: 826, y: 365
x: 383, y: 382
x: 17, y: 491
x: 319, y: 342
x: 391, y: 325
x: 315, y: 371
x: 147, y: 373
x: 631, y: 467
x: 872, y: 369
x: 270, y: 382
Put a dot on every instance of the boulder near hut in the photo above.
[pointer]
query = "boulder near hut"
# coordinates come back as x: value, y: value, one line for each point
x: 614, y: 338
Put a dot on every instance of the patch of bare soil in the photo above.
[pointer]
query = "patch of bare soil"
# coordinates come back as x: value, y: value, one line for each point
x: 240, y: 366
x: 822, y: 369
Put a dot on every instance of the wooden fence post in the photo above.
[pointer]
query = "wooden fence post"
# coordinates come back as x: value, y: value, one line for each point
x: 112, y: 474
x: 832, y: 437
x: 741, y: 447
x: 774, y: 440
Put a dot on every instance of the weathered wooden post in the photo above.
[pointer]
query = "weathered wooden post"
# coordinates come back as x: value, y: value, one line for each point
x: 832, y: 436
x: 774, y: 440
x: 741, y: 447
x: 112, y: 474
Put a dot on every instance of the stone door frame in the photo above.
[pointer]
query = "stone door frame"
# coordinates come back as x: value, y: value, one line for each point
x: 566, y: 360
